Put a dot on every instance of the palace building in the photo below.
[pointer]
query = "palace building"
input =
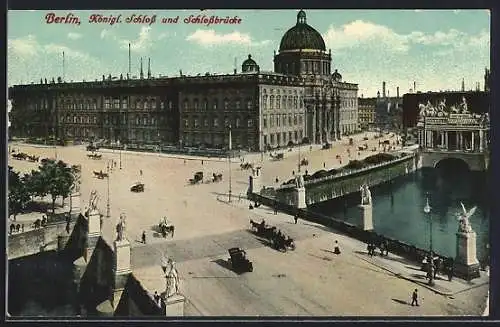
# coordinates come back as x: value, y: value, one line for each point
x: 301, y: 101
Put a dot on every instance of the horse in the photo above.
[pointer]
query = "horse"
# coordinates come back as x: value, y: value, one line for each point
x: 12, y: 228
x: 37, y: 224
x: 18, y: 228
x: 290, y: 244
x: 254, y: 225
x: 165, y: 230
x: 278, y: 242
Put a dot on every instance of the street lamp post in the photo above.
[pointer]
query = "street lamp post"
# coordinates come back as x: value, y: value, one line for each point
x: 298, y: 169
x: 229, y: 160
x: 427, y: 211
x: 121, y: 146
x: 108, y: 208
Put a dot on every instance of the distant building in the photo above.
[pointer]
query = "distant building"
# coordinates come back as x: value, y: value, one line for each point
x: 366, y: 113
x: 301, y: 101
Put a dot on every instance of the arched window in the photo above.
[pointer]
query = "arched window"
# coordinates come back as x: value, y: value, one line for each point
x: 226, y: 104
x: 214, y: 104
x: 264, y: 101
x: 137, y: 120
x: 278, y: 102
x: 271, y: 103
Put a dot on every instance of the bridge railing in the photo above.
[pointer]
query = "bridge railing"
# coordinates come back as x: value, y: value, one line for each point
x: 347, y: 173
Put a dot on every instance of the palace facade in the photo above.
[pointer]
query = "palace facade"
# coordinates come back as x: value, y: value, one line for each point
x: 301, y: 101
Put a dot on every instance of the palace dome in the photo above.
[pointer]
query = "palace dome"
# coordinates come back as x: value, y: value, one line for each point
x: 302, y: 36
x: 249, y: 65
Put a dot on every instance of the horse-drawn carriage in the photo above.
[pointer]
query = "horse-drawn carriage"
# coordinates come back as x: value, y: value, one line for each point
x: 166, y: 227
x: 101, y: 174
x: 246, y: 166
x: 197, y: 178
x: 20, y: 156
x: 277, y: 156
x: 217, y: 177
x: 137, y: 187
x: 239, y: 261
x: 304, y: 162
x: 277, y: 239
x: 95, y: 156
x: 362, y: 148
x: 326, y: 146
x: 92, y: 147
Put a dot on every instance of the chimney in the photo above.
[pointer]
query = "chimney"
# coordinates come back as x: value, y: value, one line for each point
x: 397, y: 92
x: 142, y: 72
x: 383, y: 89
x: 414, y: 86
x: 463, y: 84
x: 149, y: 67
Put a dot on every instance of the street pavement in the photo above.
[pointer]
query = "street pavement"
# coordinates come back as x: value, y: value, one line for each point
x: 308, y: 281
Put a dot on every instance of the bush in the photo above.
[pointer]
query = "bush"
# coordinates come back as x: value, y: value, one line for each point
x: 379, y: 158
x: 290, y: 143
x: 306, y: 140
x: 319, y: 174
x: 355, y: 164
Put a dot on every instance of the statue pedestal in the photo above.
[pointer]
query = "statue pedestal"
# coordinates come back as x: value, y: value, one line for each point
x: 174, y: 305
x: 254, y: 182
x: 93, y: 233
x: 300, y: 197
x: 122, y: 269
x: 466, y: 263
x: 366, y: 214
x: 74, y: 203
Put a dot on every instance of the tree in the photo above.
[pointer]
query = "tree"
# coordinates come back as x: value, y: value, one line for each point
x: 58, y: 178
x: 18, y: 194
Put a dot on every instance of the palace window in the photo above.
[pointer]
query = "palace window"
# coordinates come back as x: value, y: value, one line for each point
x: 169, y: 105
x: 153, y: 120
x: 146, y: 104
x: 295, y: 119
x: 264, y: 101
x: 145, y: 120
x: 264, y: 121
x: 289, y: 119
x: 300, y: 119
x: 186, y: 104
x: 205, y: 123
x: 278, y: 120
x: 226, y: 122
x: 162, y: 105
x: 196, y: 122
x: 249, y: 104
x: 95, y: 120
x: 137, y: 120
x: 107, y: 103
x: 153, y: 103
x: 139, y: 104
x: 116, y: 103
x: 205, y: 104
x: 215, y: 104
x: 124, y: 103
x: 250, y: 122
x: 271, y: 121
x: 283, y: 104
x: 290, y: 100
x: 271, y: 103
x: 186, y: 123
x: 106, y: 120
x: 195, y: 104
x: 238, y: 122
x: 284, y: 119
x: 237, y: 105
x: 216, y: 122
x: 278, y: 102
x: 226, y: 104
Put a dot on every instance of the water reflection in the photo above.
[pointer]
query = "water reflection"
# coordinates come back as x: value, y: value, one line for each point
x: 398, y: 207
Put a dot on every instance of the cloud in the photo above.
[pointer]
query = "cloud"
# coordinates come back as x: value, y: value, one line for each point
x: 210, y: 37
x: 143, y: 43
x: 366, y: 34
x: 28, y: 59
x: 74, y: 36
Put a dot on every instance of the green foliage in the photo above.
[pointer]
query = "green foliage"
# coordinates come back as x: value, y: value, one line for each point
x: 379, y: 158
x: 355, y: 165
x: 54, y: 178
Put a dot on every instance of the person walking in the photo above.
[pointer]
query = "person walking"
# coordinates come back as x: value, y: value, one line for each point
x: 296, y: 218
x: 414, y: 298
x: 336, y: 248
x: 144, y: 237
x: 22, y: 228
x: 140, y: 172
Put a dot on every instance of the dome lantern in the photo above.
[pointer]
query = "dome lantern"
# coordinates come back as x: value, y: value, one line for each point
x: 301, y: 17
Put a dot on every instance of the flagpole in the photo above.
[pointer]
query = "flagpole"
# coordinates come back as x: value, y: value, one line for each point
x: 229, y: 160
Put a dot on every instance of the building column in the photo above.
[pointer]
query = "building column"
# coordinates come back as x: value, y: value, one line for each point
x: 457, y: 139
x: 446, y: 140
x: 481, y: 140
x: 472, y: 140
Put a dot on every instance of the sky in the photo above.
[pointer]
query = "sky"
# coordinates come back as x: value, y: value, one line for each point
x: 434, y: 48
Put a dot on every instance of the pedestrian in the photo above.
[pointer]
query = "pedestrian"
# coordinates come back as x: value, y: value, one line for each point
x: 275, y: 207
x: 293, y: 172
x: 144, y: 237
x: 336, y: 248
x: 22, y: 228
x: 324, y: 165
x: 277, y: 180
x: 184, y: 161
x: 140, y: 172
x: 307, y: 173
x: 202, y: 162
x: 114, y: 163
x: 296, y: 218
x: 450, y: 269
x: 414, y: 298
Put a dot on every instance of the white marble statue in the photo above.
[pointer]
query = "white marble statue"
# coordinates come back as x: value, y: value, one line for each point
x: 463, y: 106
x: 76, y: 171
x: 366, y: 195
x: 121, y: 228
x: 299, y: 181
x: 442, y: 105
x: 94, y: 199
x: 172, y: 279
x: 463, y: 219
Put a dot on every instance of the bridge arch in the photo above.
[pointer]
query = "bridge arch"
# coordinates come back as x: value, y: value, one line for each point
x: 454, y: 161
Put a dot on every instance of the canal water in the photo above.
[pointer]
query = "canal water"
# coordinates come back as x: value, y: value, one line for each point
x: 398, y: 207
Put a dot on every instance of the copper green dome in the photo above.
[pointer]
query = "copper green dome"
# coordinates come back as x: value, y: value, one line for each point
x: 302, y: 36
x: 249, y: 65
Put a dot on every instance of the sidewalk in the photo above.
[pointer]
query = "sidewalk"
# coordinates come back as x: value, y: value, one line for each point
x: 168, y: 155
x: 394, y: 264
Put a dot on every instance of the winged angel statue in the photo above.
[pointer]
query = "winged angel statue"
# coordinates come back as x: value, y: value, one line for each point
x: 463, y: 219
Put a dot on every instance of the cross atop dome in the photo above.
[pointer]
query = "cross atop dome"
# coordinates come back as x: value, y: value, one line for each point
x: 301, y: 17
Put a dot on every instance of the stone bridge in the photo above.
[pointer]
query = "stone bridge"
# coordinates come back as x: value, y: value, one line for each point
x: 476, y: 161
